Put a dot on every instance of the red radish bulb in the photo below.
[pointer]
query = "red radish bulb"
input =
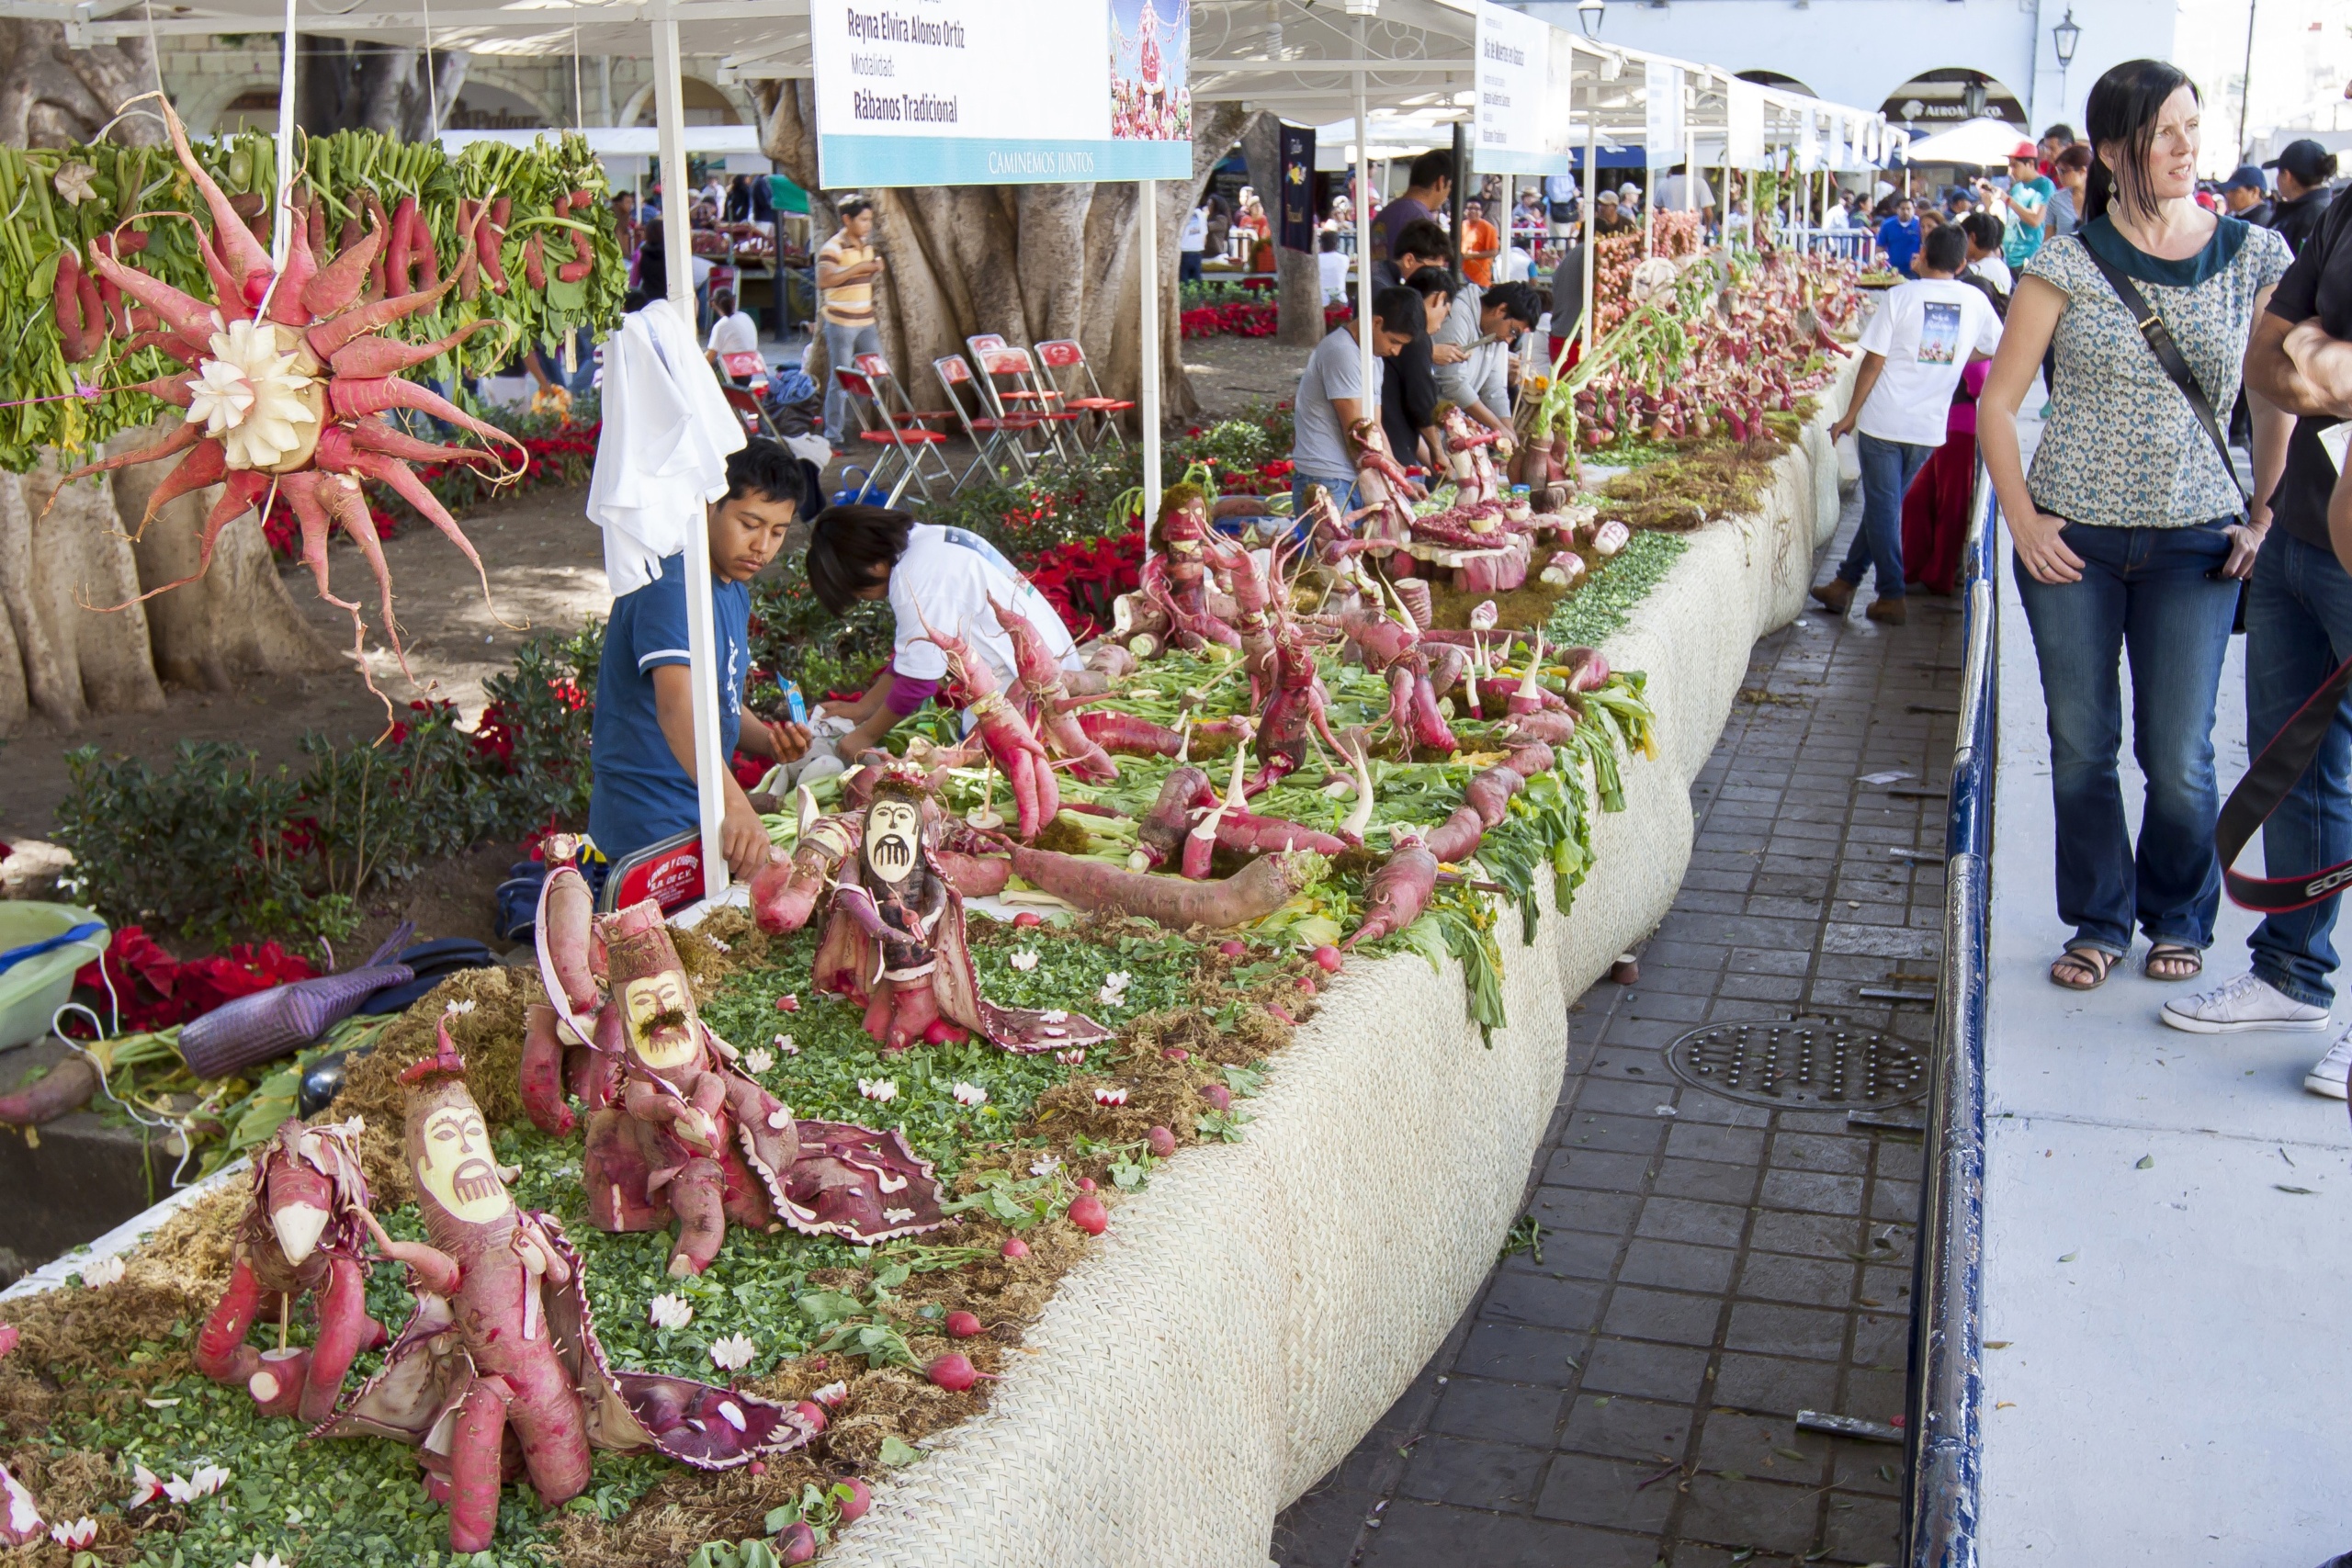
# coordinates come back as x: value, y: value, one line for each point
x: 1161, y: 1141
x: 1232, y: 948
x: 953, y: 1371
x: 814, y: 1411
x: 1306, y: 984
x: 787, y: 1003
x: 758, y: 1467
x: 1086, y: 1212
x: 860, y: 1498
x: 795, y: 1543
x: 1174, y: 1054
x: 1328, y: 957
x: 1216, y: 1094
x: 1015, y: 1247
x: 1086, y: 1184
x: 1026, y: 919
x: 963, y: 1325
x: 938, y: 1031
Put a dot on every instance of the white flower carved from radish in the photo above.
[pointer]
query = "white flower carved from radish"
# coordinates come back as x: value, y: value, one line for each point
x: 76, y: 1534
x: 1044, y: 1165
x: 880, y: 1089
x: 103, y: 1272
x: 1110, y: 1097
x: 207, y: 1479
x: 72, y: 181
x: 832, y: 1395
x: 970, y: 1094
x: 1025, y: 961
x: 151, y: 1486
x: 670, y: 1312
x: 757, y: 1061
x: 733, y: 1353
x: 250, y: 395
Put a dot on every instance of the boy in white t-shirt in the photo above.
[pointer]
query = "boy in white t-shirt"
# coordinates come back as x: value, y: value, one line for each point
x: 1914, y: 350
x: 731, y: 331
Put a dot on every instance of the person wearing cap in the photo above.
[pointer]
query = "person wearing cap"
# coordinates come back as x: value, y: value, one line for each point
x: 2246, y: 195
x: 1607, y: 219
x: 2025, y: 207
x: 2305, y: 168
x: 1629, y: 199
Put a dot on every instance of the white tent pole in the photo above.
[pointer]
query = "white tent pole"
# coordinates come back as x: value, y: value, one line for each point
x: 281, y: 231
x: 702, y: 642
x: 1364, y: 241
x: 1591, y: 190
x: 1148, y: 246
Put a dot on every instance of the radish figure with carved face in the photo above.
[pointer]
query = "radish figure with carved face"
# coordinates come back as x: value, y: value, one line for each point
x: 303, y: 1236
x: 676, y: 1129
x: 894, y: 938
x: 499, y: 1371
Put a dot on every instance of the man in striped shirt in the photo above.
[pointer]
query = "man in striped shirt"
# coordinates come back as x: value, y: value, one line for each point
x: 846, y: 268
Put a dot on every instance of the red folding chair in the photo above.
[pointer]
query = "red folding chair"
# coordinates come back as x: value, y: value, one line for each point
x: 891, y: 440
x: 751, y: 410
x: 926, y: 444
x: 989, y: 432
x: 1016, y: 387
x: 1064, y: 363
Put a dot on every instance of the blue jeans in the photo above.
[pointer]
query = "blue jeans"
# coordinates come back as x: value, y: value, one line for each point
x: 1888, y: 469
x: 843, y: 345
x: 2298, y: 629
x: 1343, y: 491
x: 2144, y: 590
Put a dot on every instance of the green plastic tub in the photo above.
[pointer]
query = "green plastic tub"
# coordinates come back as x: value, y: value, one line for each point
x: 31, y: 992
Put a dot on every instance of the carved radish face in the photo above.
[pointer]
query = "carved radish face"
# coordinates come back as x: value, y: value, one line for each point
x: 454, y: 1163
x: 893, y: 840
x: 661, y: 1021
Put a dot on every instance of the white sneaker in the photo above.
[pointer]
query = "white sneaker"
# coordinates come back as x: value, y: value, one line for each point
x: 2247, y: 1002
x: 2328, y: 1073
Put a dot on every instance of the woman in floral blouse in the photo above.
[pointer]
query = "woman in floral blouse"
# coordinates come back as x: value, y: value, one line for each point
x: 2131, y: 533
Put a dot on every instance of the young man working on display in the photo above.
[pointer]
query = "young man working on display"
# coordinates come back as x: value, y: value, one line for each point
x: 1431, y: 185
x: 642, y: 752
x: 1333, y: 398
x: 1914, y: 349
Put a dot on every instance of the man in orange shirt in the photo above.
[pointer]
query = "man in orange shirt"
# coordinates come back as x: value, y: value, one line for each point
x: 1480, y: 243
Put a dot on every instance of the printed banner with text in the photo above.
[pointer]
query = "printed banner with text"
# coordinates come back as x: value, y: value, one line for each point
x: 977, y: 92
x: 1517, y: 64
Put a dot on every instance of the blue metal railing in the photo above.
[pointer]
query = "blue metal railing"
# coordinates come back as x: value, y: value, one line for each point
x: 1942, y: 1439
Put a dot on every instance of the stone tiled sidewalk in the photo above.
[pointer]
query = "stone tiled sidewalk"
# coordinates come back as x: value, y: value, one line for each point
x: 1629, y: 1400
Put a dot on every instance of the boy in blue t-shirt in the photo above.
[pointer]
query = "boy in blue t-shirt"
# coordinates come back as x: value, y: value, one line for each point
x: 1899, y: 237
x: 643, y: 752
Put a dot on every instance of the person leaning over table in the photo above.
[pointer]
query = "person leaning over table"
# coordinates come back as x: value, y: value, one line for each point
x: 1333, y: 398
x: 2130, y: 532
x: 1484, y: 323
x: 1408, y: 395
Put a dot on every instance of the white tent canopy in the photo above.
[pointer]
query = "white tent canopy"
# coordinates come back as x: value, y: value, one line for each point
x: 1979, y: 143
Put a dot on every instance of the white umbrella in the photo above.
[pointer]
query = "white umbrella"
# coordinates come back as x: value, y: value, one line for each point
x: 1982, y: 142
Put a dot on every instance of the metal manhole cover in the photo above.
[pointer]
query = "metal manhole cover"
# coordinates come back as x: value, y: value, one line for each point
x: 1799, y: 1064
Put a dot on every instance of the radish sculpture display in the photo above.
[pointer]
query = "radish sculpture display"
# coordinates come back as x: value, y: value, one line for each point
x: 894, y: 942
x: 676, y: 1130
x: 502, y: 1344
x: 290, y: 379
x: 303, y: 1236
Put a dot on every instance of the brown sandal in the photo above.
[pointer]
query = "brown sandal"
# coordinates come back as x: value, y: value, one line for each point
x: 2092, y: 963
x: 2174, y: 953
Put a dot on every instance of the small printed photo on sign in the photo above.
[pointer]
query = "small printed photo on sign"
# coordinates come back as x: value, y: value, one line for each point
x: 1151, y: 91
x: 1939, y: 335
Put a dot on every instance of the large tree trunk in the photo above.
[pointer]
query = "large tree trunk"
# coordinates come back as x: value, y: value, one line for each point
x: 51, y: 94
x: 1298, y: 278
x: 235, y: 620
x: 86, y: 591
x: 1030, y: 262
x: 351, y: 85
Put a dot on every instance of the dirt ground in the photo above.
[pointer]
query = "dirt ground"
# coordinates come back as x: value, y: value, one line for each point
x: 1227, y: 373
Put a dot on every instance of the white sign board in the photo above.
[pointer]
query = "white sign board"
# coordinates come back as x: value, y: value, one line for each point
x: 1662, y: 96
x: 1808, y: 142
x: 1514, y: 133
x: 1744, y: 103
x: 977, y: 92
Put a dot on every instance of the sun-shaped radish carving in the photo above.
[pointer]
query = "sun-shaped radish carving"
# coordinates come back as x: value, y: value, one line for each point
x: 256, y: 395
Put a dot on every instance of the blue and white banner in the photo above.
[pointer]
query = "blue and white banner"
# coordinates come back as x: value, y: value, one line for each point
x: 979, y: 92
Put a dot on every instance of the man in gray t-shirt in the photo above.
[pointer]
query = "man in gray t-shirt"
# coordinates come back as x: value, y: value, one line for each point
x: 1332, y: 396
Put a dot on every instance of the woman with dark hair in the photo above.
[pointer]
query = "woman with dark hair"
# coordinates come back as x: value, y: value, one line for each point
x: 2130, y: 532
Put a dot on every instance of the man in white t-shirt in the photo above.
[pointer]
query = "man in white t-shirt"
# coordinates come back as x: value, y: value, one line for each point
x: 1331, y: 267
x: 1914, y: 350
x: 1190, y: 242
x: 1332, y: 397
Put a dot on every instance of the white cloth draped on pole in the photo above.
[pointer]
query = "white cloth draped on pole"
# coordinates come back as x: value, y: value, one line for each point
x: 661, y: 456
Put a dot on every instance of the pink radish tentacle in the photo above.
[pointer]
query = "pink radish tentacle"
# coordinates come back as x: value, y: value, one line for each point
x: 333, y: 333
x: 338, y: 456
x: 179, y: 440
x: 247, y: 254
x: 374, y: 435
x: 344, y: 503
x: 190, y: 319
x: 337, y: 284
x: 371, y: 357
x: 286, y: 303
x: 205, y: 466
x: 351, y: 399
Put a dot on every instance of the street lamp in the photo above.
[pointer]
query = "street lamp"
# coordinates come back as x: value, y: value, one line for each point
x: 1588, y: 16
x: 2064, y: 37
x: 1972, y: 97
